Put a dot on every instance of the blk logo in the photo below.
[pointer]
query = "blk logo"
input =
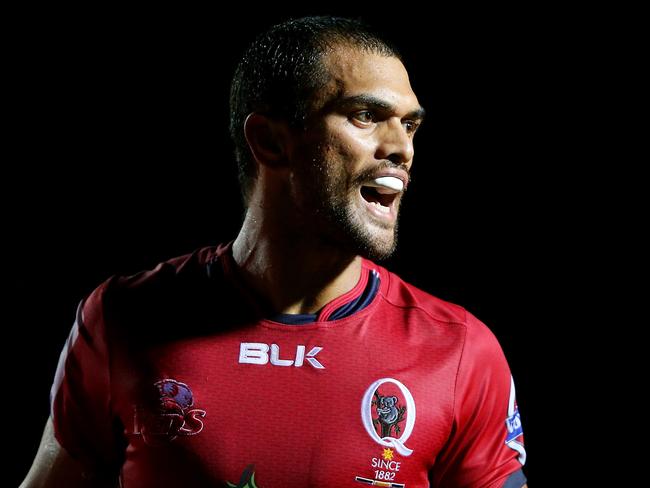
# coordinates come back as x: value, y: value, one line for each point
x: 258, y: 353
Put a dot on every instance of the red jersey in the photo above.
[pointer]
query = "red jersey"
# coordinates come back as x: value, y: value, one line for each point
x: 172, y: 377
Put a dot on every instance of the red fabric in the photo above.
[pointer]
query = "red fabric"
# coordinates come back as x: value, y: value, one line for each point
x: 353, y: 294
x: 154, y: 386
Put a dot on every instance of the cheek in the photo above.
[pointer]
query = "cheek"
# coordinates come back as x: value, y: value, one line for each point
x: 349, y: 155
x: 350, y: 141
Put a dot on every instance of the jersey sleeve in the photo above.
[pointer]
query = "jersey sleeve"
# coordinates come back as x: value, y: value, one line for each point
x: 486, y: 441
x: 81, y: 392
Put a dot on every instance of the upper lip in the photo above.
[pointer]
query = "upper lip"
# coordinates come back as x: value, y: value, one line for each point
x: 394, y: 172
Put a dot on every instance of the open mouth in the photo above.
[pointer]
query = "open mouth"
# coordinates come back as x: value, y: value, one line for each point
x: 382, y: 192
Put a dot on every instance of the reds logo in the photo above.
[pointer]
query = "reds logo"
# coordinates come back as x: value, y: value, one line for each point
x: 171, y: 417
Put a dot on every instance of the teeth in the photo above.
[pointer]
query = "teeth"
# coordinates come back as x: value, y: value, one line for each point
x: 380, y: 207
x: 387, y: 184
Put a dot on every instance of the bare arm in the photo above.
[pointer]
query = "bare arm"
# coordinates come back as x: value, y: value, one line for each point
x: 53, y: 467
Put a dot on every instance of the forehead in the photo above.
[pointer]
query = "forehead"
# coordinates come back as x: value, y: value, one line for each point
x: 354, y: 72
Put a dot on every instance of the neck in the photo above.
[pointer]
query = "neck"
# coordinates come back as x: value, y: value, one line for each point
x: 291, y: 272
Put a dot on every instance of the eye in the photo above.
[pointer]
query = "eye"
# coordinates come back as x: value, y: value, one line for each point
x: 411, y: 126
x: 364, y: 116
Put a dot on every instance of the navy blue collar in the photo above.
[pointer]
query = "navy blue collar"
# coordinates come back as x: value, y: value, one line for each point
x: 345, y: 310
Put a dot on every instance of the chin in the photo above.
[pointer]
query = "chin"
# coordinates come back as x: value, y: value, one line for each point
x: 353, y: 229
x: 377, y: 252
x: 375, y: 243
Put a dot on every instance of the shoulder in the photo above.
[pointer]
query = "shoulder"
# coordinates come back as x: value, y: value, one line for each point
x: 450, y: 316
x: 154, y: 293
x: 190, y: 266
x: 401, y: 294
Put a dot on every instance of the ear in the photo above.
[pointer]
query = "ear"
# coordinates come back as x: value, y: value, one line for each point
x: 267, y: 138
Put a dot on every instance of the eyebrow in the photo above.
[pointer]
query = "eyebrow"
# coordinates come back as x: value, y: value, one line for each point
x: 376, y: 103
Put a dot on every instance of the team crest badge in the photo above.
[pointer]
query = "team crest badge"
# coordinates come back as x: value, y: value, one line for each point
x: 170, y: 415
x: 388, y: 414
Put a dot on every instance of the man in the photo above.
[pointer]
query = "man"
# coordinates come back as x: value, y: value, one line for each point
x: 287, y: 357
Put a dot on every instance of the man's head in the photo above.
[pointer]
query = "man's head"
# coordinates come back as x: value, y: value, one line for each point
x: 282, y: 70
x: 337, y: 102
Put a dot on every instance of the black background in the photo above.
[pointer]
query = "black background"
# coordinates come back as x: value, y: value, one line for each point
x: 120, y: 159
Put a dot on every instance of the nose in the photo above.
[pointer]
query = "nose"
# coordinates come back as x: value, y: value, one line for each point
x: 395, y: 143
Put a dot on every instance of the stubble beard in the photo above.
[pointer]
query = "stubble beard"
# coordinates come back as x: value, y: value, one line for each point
x: 376, y: 243
x: 335, y: 213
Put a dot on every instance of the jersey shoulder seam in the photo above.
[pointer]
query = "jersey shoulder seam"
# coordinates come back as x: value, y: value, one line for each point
x: 432, y: 316
x: 462, y: 322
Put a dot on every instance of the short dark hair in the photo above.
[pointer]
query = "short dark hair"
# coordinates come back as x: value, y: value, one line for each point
x: 282, y: 69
